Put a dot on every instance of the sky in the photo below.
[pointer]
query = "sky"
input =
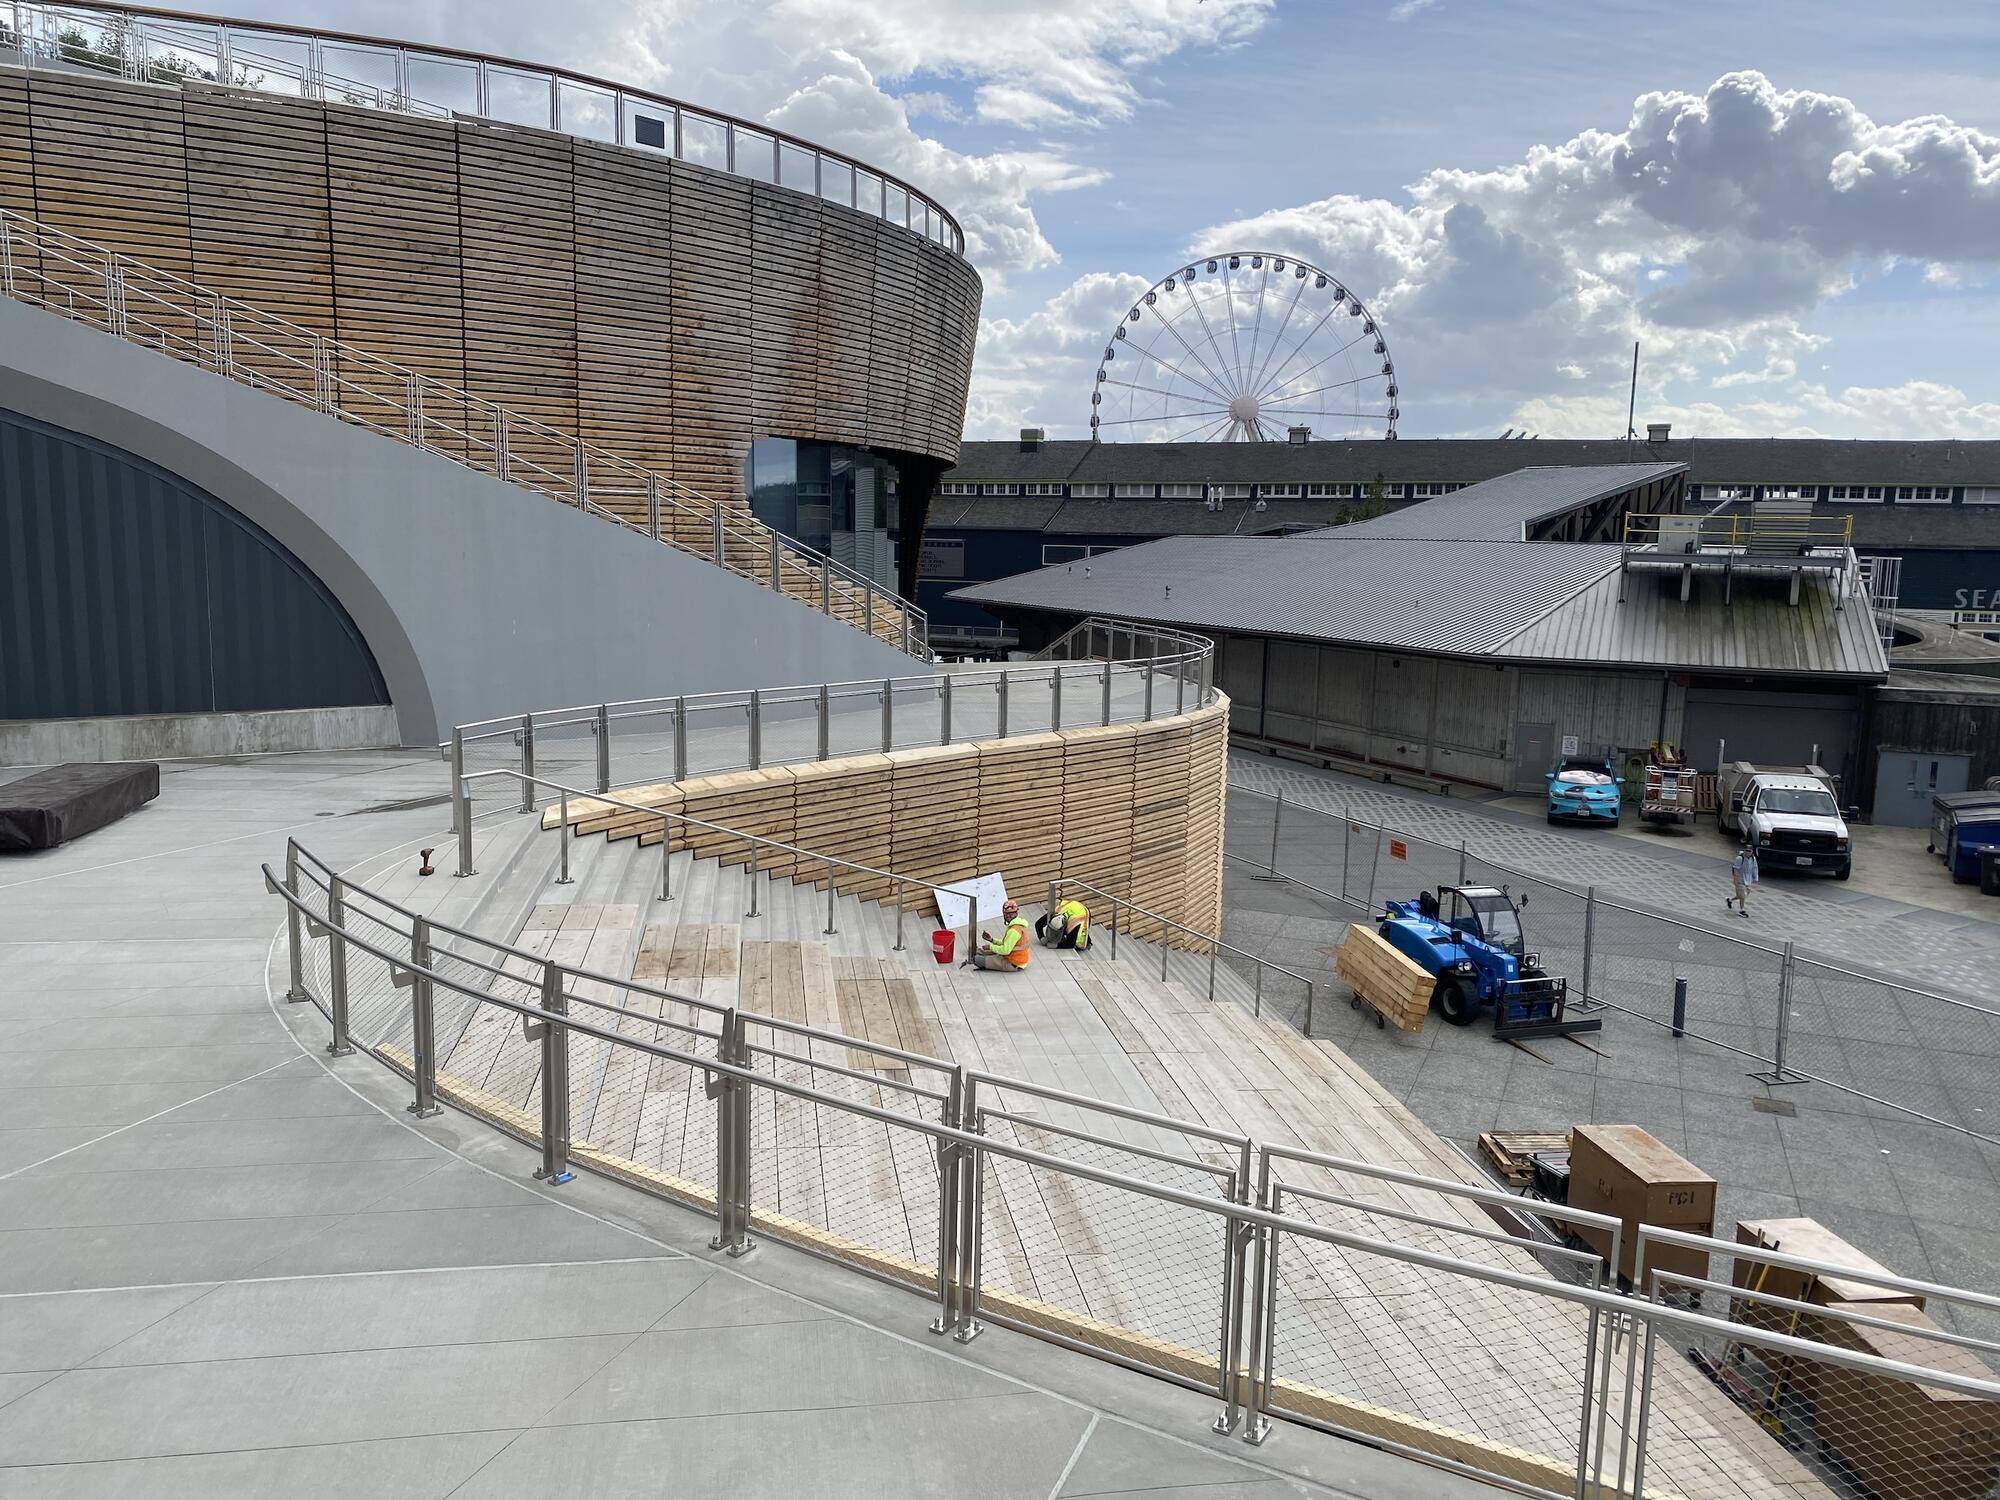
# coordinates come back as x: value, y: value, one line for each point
x: 1793, y: 206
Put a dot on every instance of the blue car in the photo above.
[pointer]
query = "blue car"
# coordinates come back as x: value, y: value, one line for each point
x: 1583, y: 790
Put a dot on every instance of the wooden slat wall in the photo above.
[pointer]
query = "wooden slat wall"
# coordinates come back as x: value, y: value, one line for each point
x: 670, y: 312
x: 17, y: 168
x: 1133, y: 808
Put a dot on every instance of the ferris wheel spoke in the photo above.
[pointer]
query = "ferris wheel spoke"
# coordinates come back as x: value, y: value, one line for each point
x: 1154, y: 391
x: 1176, y: 370
x: 1331, y: 386
x: 1257, y: 325
x: 1167, y: 322
x: 1202, y: 313
x: 1211, y: 430
x: 1319, y: 364
x: 1235, y: 348
x: 1305, y: 341
x: 1176, y: 416
x: 1279, y: 337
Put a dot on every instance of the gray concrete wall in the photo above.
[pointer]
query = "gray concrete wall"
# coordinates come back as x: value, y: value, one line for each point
x: 478, y: 598
x: 49, y: 742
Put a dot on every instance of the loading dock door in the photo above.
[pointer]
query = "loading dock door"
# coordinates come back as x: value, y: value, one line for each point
x: 1906, y: 780
x: 1534, y: 756
x: 1770, y: 728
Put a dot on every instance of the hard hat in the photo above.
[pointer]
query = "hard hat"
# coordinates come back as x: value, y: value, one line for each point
x: 1011, y: 909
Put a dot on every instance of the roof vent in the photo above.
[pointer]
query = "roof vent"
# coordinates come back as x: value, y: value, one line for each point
x: 1656, y: 432
x: 1298, y: 436
x: 1031, y: 439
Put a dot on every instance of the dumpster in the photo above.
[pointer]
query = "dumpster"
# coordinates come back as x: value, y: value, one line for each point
x: 944, y: 943
x: 1970, y: 833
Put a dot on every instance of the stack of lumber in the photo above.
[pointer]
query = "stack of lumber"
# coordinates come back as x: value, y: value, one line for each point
x: 1160, y: 776
x: 758, y: 802
x: 1094, y: 808
x: 1512, y: 1152
x: 1393, y: 986
x: 838, y: 807
x: 934, y: 807
x: 1019, y: 791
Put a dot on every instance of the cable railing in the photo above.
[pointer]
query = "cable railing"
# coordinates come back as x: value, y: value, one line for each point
x: 148, y: 44
x: 54, y: 270
x: 1371, y: 1301
x: 656, y: 740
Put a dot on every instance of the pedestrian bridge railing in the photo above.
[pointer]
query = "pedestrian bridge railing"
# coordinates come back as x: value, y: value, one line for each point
x: 1250, y: 1269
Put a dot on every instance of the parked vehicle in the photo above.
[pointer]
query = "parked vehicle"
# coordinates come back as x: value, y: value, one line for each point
x: 1672, y: 789
x: 1470, y: 939
x: 1584, y: 789
x: 1789, y: 814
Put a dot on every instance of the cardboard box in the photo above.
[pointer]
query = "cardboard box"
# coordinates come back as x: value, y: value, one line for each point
x: 1904, y: 1441
x: 1622, y: 1171
x: 1814, y: 1241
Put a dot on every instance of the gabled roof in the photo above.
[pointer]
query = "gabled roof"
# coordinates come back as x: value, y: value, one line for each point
x: 1504, y: 509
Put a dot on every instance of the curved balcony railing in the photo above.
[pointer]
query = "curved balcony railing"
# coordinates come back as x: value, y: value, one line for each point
x: 1156, y: 672
x: 168, y: 46
x: 60, y: 273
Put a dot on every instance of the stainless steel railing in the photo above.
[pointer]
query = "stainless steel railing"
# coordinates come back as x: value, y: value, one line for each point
x: 77, y: 279
x: 155, y: 45
x: 1596, y: 1411
x: 761, y: 727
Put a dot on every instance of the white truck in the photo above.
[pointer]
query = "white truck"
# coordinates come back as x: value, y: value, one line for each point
x: 1789, y: 814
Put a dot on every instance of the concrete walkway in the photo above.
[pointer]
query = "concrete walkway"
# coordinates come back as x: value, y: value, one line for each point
x: 229, y: 1265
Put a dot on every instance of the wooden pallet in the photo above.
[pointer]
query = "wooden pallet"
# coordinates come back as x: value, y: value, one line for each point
x: 1510, y: 1150
x: 1393, y: 986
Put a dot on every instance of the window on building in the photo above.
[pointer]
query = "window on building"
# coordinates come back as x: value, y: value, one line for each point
x: 1229, y: 491
x: 1976, y: 494
x: 1720, y: 492
x: 1924, y: 494
x: 1278, y: 491
x: 1791, y: 492
x: 1089, y: 491
x: 1393, y: 491
x: 1133, y: 491
x: 1855, y: 493
x: 1041, y: 489
x: 1330, y: 491
x: 957, y: 487
x: 1180, y: 492
x: 1000, y: 489
x: 1427, y: 491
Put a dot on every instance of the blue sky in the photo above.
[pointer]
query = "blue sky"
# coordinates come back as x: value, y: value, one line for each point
x: 1793, y: 206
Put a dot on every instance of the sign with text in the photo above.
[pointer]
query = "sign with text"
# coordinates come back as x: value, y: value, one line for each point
x: 942, y: 557
x: 1398, y: 849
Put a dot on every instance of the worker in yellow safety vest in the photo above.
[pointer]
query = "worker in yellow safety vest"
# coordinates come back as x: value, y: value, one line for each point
x: 1011, y: 951
x: 1069, y: 929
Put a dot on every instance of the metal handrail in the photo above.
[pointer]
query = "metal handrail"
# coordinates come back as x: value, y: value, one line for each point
x: 229, y: 48
x: 961, y: 1150
x: 197, y: 325
x: 1744, y: 530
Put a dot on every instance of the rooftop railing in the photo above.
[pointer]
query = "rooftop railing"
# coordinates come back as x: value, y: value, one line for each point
x: 149, y: 44
x: 1759, y: 530
x: 56, y: 271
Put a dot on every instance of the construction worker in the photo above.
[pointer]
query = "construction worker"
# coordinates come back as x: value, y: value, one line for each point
x: 1011, y: 951
x: 1070, y: 929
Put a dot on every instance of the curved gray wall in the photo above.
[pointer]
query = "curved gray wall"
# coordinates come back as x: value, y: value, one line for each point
x: 475, y: 598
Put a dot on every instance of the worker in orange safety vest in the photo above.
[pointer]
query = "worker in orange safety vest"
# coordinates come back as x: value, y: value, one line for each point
x: 1010, y: 951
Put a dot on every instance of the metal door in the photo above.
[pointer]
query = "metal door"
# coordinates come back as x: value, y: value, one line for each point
x: 1534, y: 755
x: 1906, y: 780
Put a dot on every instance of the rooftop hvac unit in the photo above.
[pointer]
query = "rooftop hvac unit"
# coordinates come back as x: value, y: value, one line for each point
x: 1680, y: 534
x: 1031, y: 439
x: 1299, y: 436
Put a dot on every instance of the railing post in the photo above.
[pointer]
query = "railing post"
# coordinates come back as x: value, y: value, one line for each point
x: 527, y: 763
x: 732, y: 1142
x: 1589, y: 941
x: 336, y: 965
x: 294, y: 936
x: 776, y: 583
x: 832, y: 925
x: 826, y: 585
x: 756, y: 711
x: 906, y: 632
x: 1149, y: 692
x: 1277, y: 821
x: 888, y: 714
x: 900, y: 904
x: 1263, y: 1311
x: 666, y: 858
x: 680, y: 739
x: 944, y: 709
x: 1055, y: 698
x: 562, y: 844
x: 950, y: 1164
x: 868, y: 609
x: 823, y: 713
x: 461, y: 803
x: 555, y: 1081
x: 580, y: 480
x: 971, y: 1200
x: 1461, y: 861
x: 1308, y: 1029
x: 423, y: 1023
x: 602, y: 725
x: 1180, y: 687
x: 1107, y: 692
x: 1229, y: 1360
x: 1114, y: 929
x: 653, y: 504
x: 1781, y: 1040
x: 502, y: 460
x: 715, y: 521
x: 750, y: 881
x: 6, y: 258
x: 1214, y: 947
x: 413, y: 402
x: 1002, y: 701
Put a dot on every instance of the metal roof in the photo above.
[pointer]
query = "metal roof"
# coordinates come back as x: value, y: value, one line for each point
x: 1468, y: 460
x: 1758, y: 631
x: 1462, y: 598
x: 1502, y: 510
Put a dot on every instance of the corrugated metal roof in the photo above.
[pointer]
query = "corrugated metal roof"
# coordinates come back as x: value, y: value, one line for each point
x: 1501, y: 510
x: 1757, y: 632
x: 1468, y: 460
x: 1462, y: 599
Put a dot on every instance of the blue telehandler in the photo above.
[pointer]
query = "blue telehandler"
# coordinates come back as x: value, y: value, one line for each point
x: 1469, y: 939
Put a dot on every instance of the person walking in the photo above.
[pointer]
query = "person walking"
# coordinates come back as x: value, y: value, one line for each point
x: 1743, y: 871
x: 1010, y: 950
x: 1070, y: 929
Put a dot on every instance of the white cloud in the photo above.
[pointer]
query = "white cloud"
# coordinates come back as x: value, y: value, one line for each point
x: 1710, y: 228
x: 1404, y: 10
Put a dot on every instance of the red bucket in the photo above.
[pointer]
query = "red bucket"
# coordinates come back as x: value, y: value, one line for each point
x: 944, y: 943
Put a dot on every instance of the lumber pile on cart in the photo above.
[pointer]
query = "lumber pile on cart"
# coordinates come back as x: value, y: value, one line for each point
x: 1396, y: 988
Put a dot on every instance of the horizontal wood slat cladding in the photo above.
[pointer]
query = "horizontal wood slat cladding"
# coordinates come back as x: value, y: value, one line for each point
x: 668, y: 312
x: 1135, y: 809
